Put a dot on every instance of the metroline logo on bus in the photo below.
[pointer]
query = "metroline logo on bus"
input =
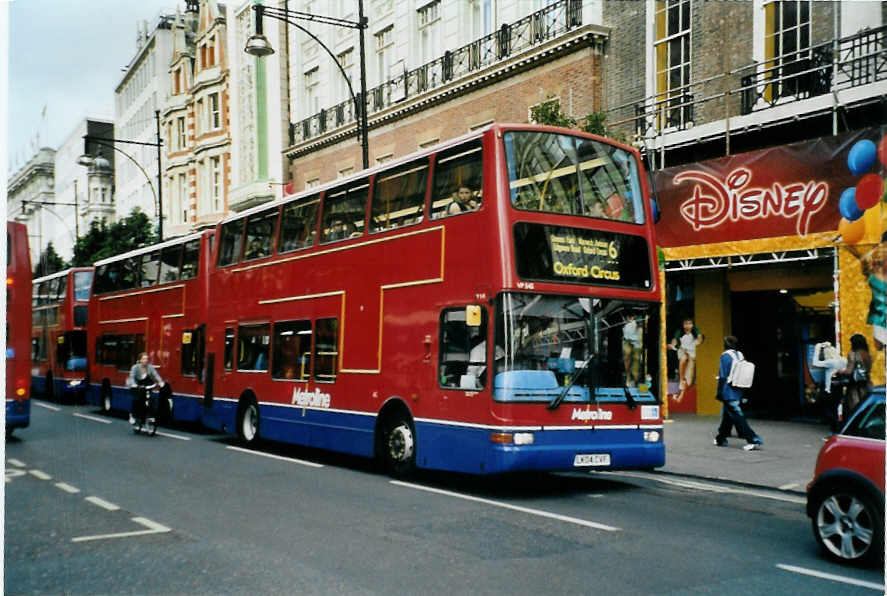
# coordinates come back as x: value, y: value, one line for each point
x: 311, y: 399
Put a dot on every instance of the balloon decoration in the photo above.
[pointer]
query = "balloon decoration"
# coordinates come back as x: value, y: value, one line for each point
x: 868, y: 192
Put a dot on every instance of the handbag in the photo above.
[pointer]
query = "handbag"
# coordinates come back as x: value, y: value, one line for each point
x: 859, y: 374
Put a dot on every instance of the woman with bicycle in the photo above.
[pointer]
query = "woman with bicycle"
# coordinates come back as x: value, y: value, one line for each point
x: 142, y: 376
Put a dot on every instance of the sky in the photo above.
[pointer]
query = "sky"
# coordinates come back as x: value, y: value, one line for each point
x: 65, y: 60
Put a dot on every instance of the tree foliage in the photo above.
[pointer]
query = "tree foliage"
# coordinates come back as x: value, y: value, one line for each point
x: 549, y: 112
x: 49, y: 262
x: 102, y: 240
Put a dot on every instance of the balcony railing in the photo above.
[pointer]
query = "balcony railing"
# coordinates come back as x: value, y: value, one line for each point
x: 861, y: 60
x: 533, y: 30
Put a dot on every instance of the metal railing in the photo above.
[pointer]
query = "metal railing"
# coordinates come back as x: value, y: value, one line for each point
x: 861, y: 60
x: 510, y: 39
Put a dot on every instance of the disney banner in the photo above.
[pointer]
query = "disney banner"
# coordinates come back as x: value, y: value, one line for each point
x: 782, y: 191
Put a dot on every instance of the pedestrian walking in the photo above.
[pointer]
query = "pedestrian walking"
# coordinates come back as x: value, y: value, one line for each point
x: 859, y: 365
x: 731, y: 411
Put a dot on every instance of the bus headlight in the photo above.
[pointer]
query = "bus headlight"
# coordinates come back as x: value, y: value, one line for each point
x: 652, y: 436
x: 74, y: 383
x: 523, y: 438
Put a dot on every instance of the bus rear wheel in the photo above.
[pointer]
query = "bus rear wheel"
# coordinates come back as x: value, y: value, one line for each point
x: 248, y: 421
x: 397, y: 448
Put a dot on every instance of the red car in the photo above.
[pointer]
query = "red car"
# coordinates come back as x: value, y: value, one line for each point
x: 845, y: 500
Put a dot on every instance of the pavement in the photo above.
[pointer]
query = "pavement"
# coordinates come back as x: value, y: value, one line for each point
x: 785, y: 462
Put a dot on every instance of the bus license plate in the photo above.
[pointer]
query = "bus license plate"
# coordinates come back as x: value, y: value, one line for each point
x: 591, y: 459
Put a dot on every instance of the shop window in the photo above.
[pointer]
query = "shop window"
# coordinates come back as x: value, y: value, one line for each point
x: 292, y: 350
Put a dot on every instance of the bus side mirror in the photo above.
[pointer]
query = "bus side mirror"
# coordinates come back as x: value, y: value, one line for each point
x: 654, y: 209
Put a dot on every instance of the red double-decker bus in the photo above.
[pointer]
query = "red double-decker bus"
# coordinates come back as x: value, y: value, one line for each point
x: 484, y: 306
x: 18, y: 328
x: 152, y: 300
x: 58, y: 334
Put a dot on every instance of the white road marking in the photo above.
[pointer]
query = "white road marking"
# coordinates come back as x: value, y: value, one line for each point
x: 171, y: 436
x: 715, y: 488
x: 47, y: 406
x: 153, y: 528
x: 272, y: 456
x: 10, y: 474
x: 102, y: 503
x: 67, y: 487
x: 16, y: 463
x: 790, y: 486
x: 93, y: 418
x: 39, y: 474
x: 537, y: 512
x: 837, y: 578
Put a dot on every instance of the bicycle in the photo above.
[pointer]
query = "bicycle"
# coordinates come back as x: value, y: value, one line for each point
x: 144, y: 417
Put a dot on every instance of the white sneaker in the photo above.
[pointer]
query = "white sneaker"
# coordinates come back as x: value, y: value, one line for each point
x: 132, y: 419
x: 751, y: 447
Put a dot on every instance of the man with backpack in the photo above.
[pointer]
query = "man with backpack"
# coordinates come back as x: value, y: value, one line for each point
x: 734, y: 376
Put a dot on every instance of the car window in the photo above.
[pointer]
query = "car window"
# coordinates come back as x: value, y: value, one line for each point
x: 869, y: 423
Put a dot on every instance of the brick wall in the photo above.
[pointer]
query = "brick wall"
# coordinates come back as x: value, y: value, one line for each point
x: 574, y: 79
x: 625, y: 62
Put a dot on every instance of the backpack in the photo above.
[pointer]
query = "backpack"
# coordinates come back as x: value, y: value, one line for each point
x: 859, y: 373
x: 742, y: 372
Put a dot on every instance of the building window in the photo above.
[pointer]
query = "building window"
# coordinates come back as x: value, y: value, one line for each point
x: 200, y: 124
x: 384, y: 53
x: 312, y: 98
x: 346, y: 60
x: 787, y: 47
x: 213, y: 114
x: 215, y: 168
x: 481, y: 17
x: 672, y: 47
x: 429, y: 30
x: 180, y: 132
x: 182, y: 197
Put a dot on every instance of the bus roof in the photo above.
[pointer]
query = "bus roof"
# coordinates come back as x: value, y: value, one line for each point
x: 152, y: 248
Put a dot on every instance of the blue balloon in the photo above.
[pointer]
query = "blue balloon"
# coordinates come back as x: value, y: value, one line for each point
x: 862, y: 157
x: 847, y: 205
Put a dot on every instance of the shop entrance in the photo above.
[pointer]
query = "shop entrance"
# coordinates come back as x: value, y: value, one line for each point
x: 777, y: 330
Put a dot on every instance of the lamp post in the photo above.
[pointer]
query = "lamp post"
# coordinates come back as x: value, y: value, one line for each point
x: 258, y: 45
x: 87, y: 160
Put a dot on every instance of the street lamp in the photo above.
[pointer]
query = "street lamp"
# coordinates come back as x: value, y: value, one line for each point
x: 258, y: 45
x: 87, y: 160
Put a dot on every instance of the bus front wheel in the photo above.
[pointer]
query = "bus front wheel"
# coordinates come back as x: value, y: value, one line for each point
x: 248, y: 421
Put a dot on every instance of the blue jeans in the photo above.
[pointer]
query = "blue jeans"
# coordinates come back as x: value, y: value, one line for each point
x: 731, y: 415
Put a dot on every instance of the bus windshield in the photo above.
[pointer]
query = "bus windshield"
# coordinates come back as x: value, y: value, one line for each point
x: 558, y: 173
x: 593, y: 349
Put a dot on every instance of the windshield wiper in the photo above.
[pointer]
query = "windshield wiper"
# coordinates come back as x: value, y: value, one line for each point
x: 553, y: 404
x: 629, y: 399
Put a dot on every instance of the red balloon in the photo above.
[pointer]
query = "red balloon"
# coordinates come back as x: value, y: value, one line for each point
x: 869, y: 191
x: 882, y: 151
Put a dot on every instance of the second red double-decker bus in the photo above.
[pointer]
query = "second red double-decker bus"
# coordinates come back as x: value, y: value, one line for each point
x: 152, y: 300
x: 61, y: 307
x: 18, y: 328
x: 488, y: 305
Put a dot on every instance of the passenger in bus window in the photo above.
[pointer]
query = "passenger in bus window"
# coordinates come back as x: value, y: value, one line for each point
x: 463, y: 199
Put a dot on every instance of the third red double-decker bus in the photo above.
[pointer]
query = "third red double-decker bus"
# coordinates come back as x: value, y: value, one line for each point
x: 488, y: 305
x: 61, y: 307
x: 18, y: 327
x: 152, y: 300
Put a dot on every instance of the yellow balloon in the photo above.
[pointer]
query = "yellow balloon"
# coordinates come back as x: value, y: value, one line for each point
x: 851, y: 231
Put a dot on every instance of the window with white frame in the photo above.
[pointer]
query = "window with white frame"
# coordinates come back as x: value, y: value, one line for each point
x: 346, y: 60
x: 182, y: 197
x: 312, y: 183
x: 312, y: 97
x: 384, y: 53
x: 382, y: 8
x: 213, y: 111
x: 200, y: 124
x: 787, y: 47
x: 428, y: 20
x: 180, y: 132
x: 215, y: 173
x: 481, y: 18
x: 672, y: 52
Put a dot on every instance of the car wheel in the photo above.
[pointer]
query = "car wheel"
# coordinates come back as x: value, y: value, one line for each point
x: 848, y: 526
x: 248, y: 421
